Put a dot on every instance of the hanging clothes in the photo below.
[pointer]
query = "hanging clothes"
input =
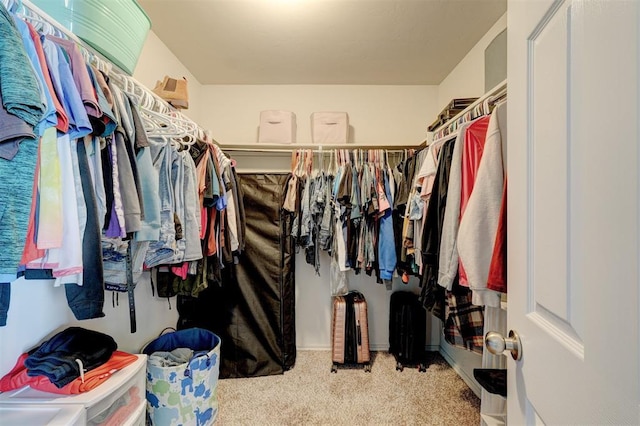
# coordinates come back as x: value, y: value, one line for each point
x: 472, y: 234
x: 95, y: 189
x: 448, y: 262
x: 431, y: 296
x: 485, y: 215
x: 20, y: 99
x: 348, y: 214
x: 400, y: 219
x: 475, y: 136
x: 253, y: 311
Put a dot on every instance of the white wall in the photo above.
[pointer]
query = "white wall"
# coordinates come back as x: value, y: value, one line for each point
x: 379, y: 115
x: 467, y: 78
x: 37, y: 309
x: 313, y: 306
x: 156, y: 61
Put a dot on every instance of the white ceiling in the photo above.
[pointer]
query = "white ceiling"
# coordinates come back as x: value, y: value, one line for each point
x: 321, y: 41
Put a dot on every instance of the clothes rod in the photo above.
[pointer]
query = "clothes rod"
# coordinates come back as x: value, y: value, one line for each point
x: 315, y: 148
x: 33, y: 9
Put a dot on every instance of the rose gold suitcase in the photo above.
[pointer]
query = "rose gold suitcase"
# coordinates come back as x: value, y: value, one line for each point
x: 350, y: 331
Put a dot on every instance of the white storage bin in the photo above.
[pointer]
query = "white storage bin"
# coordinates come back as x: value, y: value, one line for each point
x: 139, y: 416
x: 43, y: 414
x: 98, y: 402
x: 277, y: 127
x: 330, y: 128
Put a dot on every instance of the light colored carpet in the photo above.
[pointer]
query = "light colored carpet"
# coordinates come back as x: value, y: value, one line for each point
x: 309, y: 394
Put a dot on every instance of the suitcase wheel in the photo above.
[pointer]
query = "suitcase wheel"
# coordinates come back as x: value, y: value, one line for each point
x: 367, y: 368
x: 422, y: 368
x: 399, y: 366
x: 334, y: 368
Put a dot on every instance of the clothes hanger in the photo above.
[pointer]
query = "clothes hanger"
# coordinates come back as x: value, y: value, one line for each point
x: 41, y: 25
x: 294, y: 160
x: 310, y: 164
x: 97, y: 62
x: 188, y: 127
x: 14, y: 6
x: 157, y: 124
x: 301, y: 159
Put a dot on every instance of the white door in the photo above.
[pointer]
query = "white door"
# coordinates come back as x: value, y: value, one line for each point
x: 574, y: 221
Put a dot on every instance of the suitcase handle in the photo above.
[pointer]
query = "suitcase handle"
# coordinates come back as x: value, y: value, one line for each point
x: 358, y: 330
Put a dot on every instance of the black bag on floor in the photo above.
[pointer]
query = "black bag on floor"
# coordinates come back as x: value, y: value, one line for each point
x: 407, y: 330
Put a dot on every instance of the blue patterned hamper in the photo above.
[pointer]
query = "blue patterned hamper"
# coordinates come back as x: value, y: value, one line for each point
x: 186, y: 393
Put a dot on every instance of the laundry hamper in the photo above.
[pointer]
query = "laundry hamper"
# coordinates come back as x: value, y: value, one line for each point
x: 186, y: 393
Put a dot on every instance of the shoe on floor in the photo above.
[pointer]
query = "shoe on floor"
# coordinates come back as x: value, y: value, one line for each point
x: 492, y: 380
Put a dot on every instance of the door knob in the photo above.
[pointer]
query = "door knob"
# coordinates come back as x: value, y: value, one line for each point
x: 496, y: 343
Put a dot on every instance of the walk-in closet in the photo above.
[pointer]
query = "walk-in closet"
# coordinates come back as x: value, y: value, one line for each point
x: 319, y: 212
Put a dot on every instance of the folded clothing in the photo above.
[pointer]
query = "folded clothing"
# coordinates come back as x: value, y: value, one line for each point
x: 18, y: 377
x: 125, y: 406
x: 176, y: 357
x: 62, y: 357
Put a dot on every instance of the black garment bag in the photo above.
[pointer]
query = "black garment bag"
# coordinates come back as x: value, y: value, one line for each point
x: 252, y: 310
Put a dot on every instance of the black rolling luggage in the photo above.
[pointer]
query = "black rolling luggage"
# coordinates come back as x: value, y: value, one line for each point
x: 407, y: 330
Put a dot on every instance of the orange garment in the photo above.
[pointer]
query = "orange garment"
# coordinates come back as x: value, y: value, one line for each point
x: 30, y: 251
x: 181, y: 270
x: 212, y: 247
x: 201, y: 173
x: 498, y: 270
x: 18, y: 378
x: 124, y: 413
x: 63, y: 119
x: 475, y: 136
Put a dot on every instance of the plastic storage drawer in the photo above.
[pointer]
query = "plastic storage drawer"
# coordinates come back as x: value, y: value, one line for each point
x: 101, y: 403
x: 139, y: 416
x: 43, y: 414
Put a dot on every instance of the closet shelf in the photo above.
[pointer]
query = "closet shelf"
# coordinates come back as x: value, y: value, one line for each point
x: 495, y: 92
x: 261, y: 147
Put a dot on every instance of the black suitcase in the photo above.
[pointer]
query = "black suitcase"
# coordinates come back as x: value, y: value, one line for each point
x: 407, y: 330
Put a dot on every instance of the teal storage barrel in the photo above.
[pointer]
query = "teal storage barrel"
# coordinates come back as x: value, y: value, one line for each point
x: 115, y: 28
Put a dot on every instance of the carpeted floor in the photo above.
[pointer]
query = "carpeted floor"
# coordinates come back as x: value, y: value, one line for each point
x: 309, y: 394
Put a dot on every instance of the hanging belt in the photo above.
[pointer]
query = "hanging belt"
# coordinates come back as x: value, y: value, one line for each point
x: 130, y: 289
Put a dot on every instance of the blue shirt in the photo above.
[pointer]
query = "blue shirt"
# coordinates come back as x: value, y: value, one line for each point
x: 65, y: 87
x: 50, y: 119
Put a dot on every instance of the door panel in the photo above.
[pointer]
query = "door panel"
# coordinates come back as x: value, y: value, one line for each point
x: 548, y: 144
x: 574, y: 223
